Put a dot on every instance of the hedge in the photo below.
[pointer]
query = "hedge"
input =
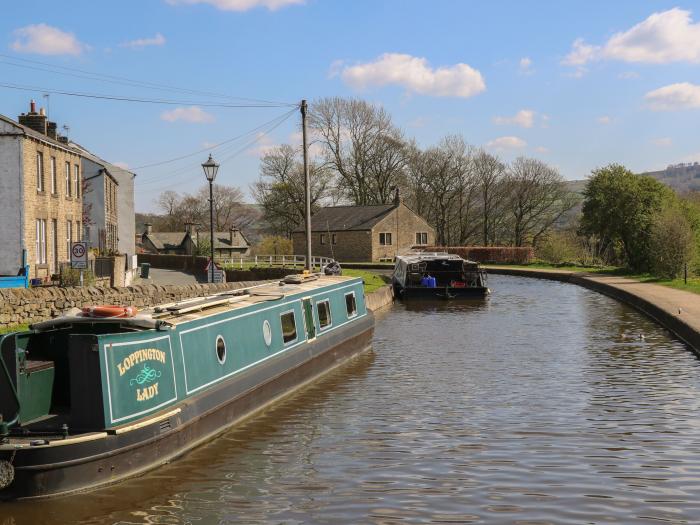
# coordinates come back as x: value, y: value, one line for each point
x: 489, y: 254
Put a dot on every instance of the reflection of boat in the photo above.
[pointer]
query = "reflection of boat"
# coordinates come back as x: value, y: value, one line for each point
x: 87, y: 401
x: 437, y: 274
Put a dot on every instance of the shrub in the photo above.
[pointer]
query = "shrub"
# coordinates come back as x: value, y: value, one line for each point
x: 672, y: 244
x: 489, y: 254
x: 273, y: 245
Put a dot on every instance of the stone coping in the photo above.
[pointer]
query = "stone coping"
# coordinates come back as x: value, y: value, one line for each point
x: 676, y: 310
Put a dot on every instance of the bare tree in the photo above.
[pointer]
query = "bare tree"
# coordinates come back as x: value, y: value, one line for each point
x: 228, y: 205
x: 489, y: 172
x: 536, y: 198
x: 168, y: 202
x: 280, y: 189
x: 362, y: 146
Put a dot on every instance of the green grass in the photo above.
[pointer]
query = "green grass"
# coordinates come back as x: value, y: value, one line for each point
x: 14, y: 328
x: 373, y: 281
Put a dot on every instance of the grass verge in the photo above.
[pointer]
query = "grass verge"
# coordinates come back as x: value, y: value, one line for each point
x: 373, y: 281
x: 14, y: 328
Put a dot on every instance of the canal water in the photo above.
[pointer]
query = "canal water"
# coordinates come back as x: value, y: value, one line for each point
x: 545, y: 403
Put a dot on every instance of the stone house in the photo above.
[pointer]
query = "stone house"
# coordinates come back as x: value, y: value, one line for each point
x: 41, y: 188
x: 365, y: 233
x: 109, y: 205
x: 227, y: 245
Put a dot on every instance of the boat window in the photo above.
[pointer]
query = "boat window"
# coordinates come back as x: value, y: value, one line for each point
x: 350, y: 304
x: 324, y: 314
x: 289, y: 327
x: 267, y: 332
x: 220, y: 349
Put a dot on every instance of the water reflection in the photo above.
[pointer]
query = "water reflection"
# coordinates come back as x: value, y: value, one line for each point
x: 539, y: 404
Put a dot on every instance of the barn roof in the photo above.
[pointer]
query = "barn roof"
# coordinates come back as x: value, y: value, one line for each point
x: 339, y: 218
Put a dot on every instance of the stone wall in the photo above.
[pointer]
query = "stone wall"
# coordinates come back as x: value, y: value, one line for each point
x: 403, y: 224
x: 31, y: 305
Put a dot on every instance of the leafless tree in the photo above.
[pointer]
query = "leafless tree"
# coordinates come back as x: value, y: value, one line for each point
x: 280, y: 189
x: 489, y: 173
x: 536, y: 198
x: 362, y: 146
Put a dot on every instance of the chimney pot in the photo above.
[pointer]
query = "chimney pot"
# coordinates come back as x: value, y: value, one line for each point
x: 42, y: 112
x: 32, y: 106
x: 149, y: 228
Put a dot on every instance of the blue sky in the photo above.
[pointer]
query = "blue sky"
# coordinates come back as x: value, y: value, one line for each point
x: 577, y: 84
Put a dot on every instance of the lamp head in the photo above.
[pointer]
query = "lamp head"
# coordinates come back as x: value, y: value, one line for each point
x: 210, y: 168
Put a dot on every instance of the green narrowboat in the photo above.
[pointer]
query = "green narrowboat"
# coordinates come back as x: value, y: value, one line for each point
x: 86, y: 401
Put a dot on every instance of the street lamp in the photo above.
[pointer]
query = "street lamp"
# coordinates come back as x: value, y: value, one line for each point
x: 210, y: 169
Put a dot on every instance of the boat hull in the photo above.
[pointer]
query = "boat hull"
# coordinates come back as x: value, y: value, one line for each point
x: 441, y: 293
x: 99, y: 460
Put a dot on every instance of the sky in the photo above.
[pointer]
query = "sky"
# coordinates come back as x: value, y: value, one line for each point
x: 577, y: 84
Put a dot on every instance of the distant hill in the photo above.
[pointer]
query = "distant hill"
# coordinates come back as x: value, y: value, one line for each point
x: 680, y: 177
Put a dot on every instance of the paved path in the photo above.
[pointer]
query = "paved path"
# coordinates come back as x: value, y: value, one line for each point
x: 677, y: 310
x: 161, y: 276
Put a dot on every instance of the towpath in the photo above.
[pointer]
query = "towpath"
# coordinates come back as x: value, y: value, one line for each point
x: 677, y: 310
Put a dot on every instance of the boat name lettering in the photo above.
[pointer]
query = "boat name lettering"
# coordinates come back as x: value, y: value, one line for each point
x: 148, y: 392
x: 145, y: 354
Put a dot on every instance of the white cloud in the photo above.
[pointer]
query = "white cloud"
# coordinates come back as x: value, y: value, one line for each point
x: 263, y: 144
x: 682, y: 95
x: 241, y: 5
x: 525, y: 65
x: 416, y: 75
x: 668, y: 36
x: 604, y: 120
x: 157, y: 40
x: 506, y: 143
x: 541, y: 149
x: 192, y: 114
x: 662, y: 142
x: 43, y: 39
x: 525, y: 118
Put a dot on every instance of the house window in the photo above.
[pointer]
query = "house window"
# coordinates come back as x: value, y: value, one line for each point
x: 78, y: 232
x: 289, y: 327
x: 323, y: 238
x: 76, y: 180
x: 324, y: 313
x: 350, y: 304
x: 68, y: 186
x: 385, y: 239
x: 69, y: 237
x: 422, y: 238
x: 39, y: 172
x: 54, y: 184
x: 41, y: 241
x: 333, y: 239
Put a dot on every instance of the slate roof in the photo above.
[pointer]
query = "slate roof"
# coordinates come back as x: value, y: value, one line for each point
x: 339, y: 218
x: 39, y: 136
x: 174, y: 240
x: 166, y: 240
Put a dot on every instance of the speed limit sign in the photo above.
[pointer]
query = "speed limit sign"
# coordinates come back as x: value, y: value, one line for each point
x: 78, y: 255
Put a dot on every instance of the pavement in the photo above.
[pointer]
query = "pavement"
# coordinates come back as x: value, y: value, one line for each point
x: 162, y: 276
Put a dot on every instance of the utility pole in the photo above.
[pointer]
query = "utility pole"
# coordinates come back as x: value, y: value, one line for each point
x: 307, y: 186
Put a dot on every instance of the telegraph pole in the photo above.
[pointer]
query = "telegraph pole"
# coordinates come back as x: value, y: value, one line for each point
x: 307, y: 186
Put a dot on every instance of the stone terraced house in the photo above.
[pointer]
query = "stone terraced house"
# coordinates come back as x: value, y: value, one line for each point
x: 365, y: 233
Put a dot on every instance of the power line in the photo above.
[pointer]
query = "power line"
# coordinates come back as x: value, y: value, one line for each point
x: 137, y: 100
x: 100, y: 77
x: 211, y: 148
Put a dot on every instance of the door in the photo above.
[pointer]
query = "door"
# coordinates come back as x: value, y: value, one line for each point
x: 54, y: 246
x: 309, y: 324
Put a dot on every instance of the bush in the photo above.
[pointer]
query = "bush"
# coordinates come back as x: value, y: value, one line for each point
x: 672, y: 244
x: 71, y: 277
x: 489, y: 254
x: 273, y: 245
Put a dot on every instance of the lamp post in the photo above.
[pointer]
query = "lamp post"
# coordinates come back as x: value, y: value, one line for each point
x: 210, y: 169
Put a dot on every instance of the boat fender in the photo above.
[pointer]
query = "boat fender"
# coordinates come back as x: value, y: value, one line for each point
x: 106, y: 311
x: 7, y: 474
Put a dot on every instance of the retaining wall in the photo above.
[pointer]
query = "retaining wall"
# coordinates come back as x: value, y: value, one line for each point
x: 31, y: 305
x: 380, y: 298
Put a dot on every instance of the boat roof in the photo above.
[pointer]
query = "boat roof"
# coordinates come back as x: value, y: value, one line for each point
x: 412, y: 258
x: 162, y: 316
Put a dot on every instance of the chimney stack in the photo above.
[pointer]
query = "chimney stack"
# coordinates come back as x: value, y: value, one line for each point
x: 34, y: 120
x: 397, y: 196
x: 51, y: 130
x: 189, y: 227
x: 149, y: 228
x: 232, y: 233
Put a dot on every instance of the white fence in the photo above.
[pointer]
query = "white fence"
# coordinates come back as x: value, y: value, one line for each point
x: 288, y: 261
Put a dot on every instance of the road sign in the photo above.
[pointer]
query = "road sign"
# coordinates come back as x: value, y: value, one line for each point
x: 78, y: 255
x: 219, y: 273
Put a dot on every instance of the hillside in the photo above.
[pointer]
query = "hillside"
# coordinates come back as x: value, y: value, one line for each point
x: 680, y: 177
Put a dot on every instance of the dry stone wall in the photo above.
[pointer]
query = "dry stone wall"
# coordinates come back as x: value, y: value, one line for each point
x: 31, y: 305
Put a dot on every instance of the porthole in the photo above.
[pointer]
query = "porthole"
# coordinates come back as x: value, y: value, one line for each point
x: 221, y: 349
x: 267, y: 332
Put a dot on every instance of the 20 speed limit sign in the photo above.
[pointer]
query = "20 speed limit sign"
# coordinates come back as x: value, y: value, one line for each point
x: 78, y: 255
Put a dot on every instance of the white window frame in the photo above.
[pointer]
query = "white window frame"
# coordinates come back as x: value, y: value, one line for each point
x: 333, y: 238
x: 40, y: 241
x: 216, y: 349
x: 323, y: 239
x: 296, y: 328
x: 350, y: 316
x: 421, y: 235
x: 54, y: 180
x: 385, y: 234
x: 68, y: 182
x: 39, y: 171
x: 330, y: 314
x: 69, y: 237
x: 76, y: 179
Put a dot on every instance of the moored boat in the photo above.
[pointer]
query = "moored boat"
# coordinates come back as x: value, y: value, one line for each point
x: 437, y: 275
x: 86, y: 401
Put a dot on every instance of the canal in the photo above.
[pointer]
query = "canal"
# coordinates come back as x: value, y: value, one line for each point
x: 545, y: 403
